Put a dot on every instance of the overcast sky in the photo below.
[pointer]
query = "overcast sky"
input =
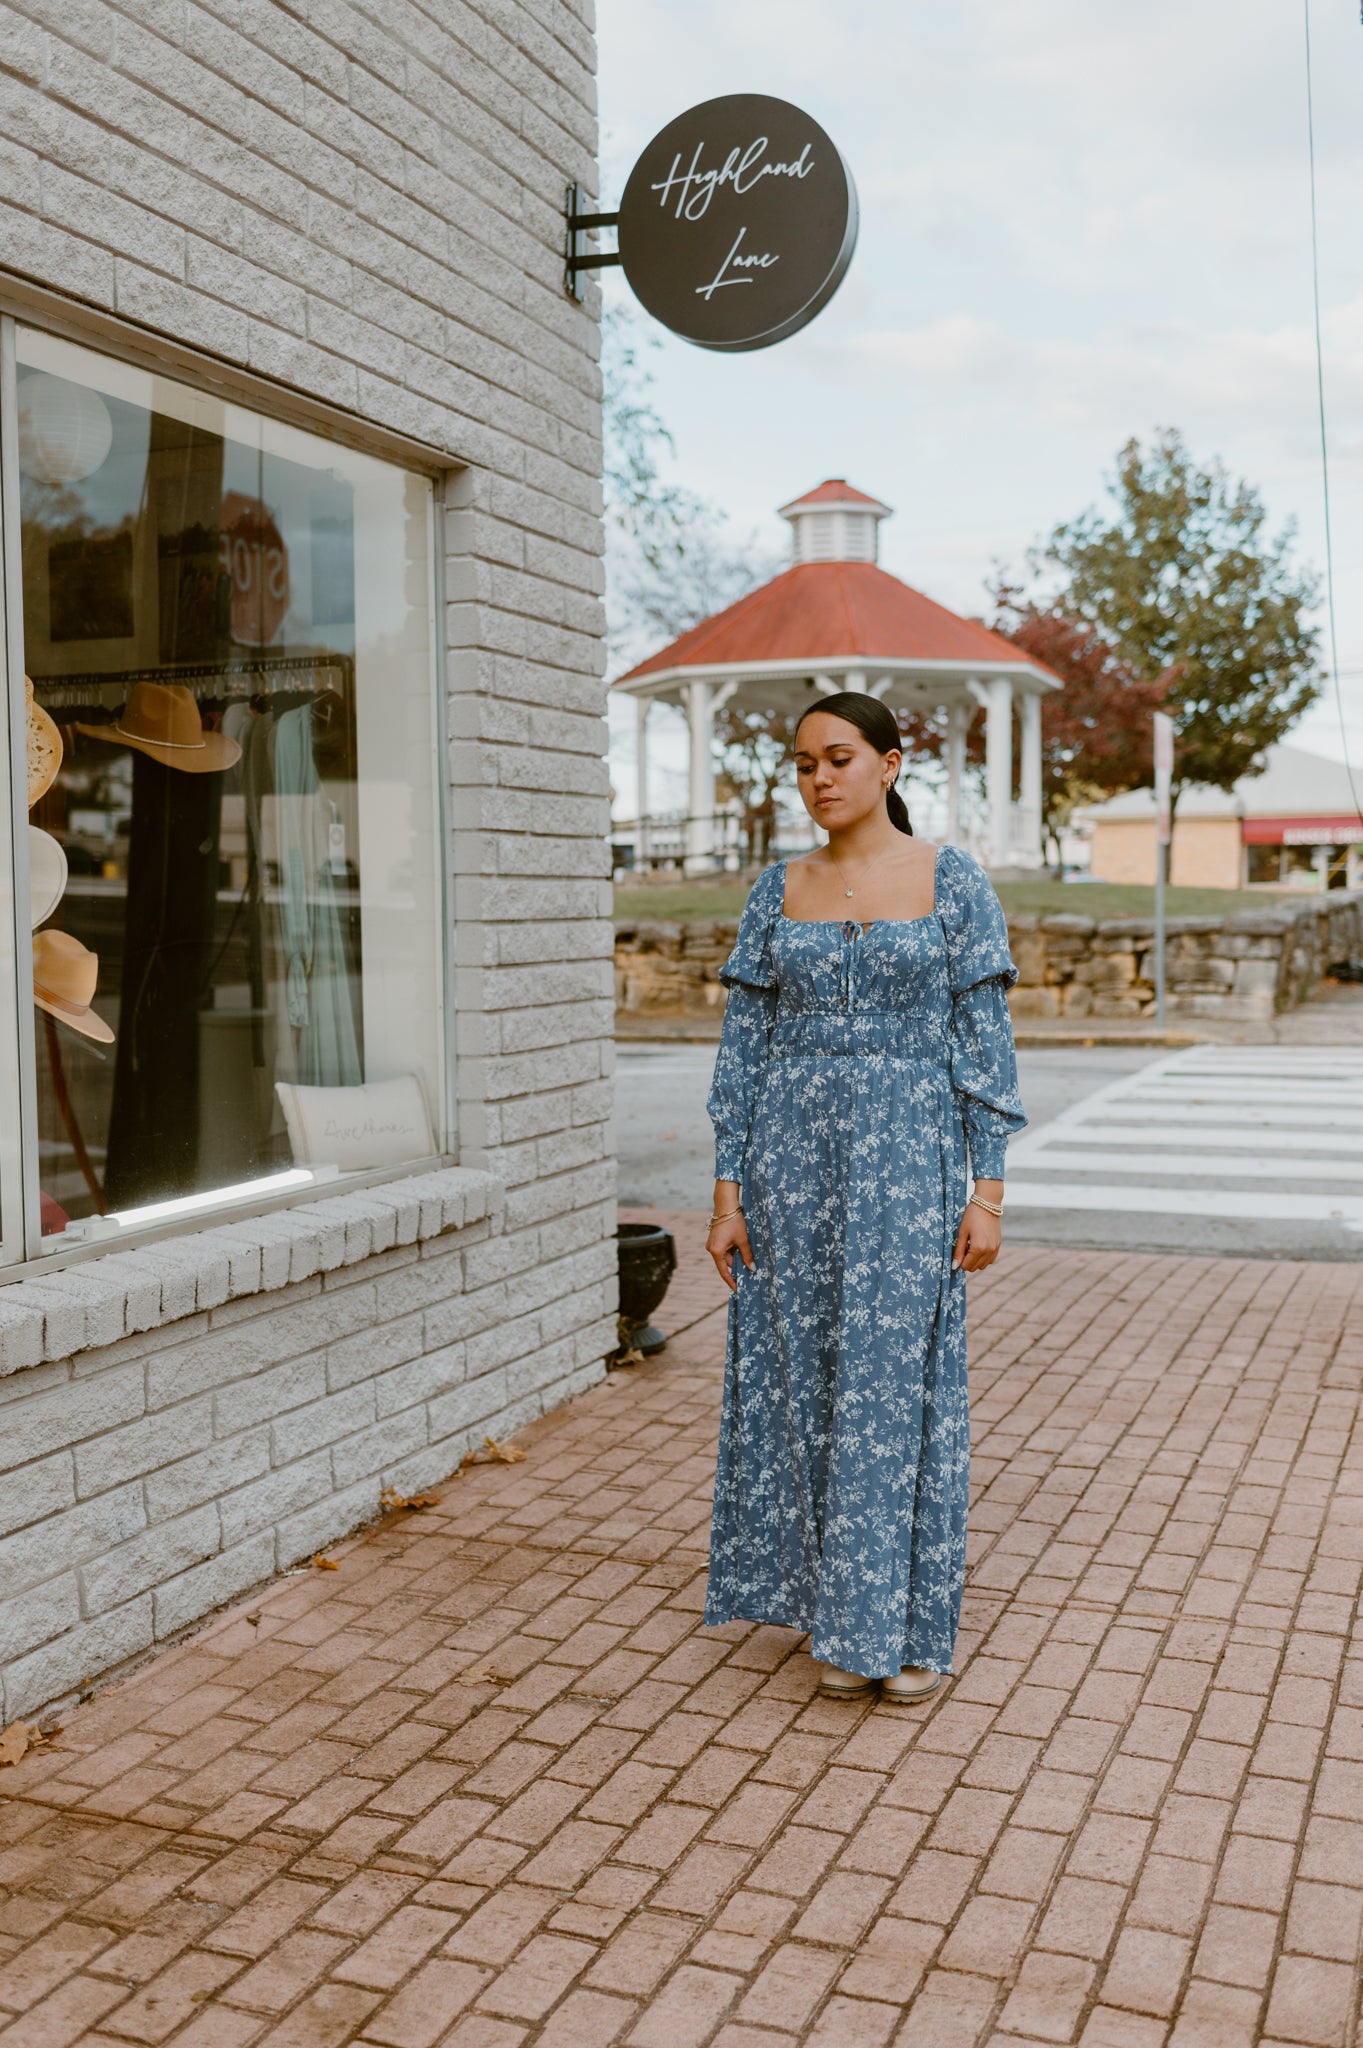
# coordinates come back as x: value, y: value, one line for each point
x: 1079, y: 222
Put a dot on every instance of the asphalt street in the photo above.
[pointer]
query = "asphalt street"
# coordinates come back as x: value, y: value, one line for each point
x: 1220, y: 1149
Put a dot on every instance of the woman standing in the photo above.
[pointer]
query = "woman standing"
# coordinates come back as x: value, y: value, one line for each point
x: 866, y: 1047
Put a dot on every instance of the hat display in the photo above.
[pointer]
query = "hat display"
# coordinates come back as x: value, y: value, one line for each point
x: 162, y: 720
x: 44, y: 748
x: 46, y: 875
x: 64, y: 977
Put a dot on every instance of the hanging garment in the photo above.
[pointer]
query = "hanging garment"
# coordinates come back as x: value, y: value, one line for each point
x: 318, y: 983
x: 856, y: 1068
x: 237, y: 721
x: 168, y: 949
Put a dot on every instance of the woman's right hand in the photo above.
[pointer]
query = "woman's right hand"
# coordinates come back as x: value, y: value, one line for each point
x: 722, y: 1240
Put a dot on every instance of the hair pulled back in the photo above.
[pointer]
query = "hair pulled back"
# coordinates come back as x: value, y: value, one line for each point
x: 876, y: 723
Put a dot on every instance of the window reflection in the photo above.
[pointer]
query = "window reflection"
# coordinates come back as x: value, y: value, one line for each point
x: 227, y: 630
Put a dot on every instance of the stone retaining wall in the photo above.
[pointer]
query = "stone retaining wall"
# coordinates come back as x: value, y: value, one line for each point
x: 1241, y: 968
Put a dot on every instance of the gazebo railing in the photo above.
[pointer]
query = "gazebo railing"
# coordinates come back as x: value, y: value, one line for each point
x: 724, y: 842
x: 683, y: 843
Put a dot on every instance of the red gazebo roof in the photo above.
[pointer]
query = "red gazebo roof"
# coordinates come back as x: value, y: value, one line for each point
x: 821, y: 611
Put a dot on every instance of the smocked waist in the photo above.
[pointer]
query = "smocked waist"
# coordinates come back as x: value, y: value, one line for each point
x: 893, y: 1034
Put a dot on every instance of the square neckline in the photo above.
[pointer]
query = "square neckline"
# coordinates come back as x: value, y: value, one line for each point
x: 866, y: 928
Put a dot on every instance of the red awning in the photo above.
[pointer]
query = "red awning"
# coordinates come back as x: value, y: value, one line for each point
x: 1343, y: 828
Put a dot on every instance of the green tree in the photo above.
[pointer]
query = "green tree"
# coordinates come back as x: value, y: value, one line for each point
x: 1187, y: 587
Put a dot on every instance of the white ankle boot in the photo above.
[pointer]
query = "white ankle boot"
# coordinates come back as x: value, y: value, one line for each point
x: 843, y: 1685
x: 902, y: 1688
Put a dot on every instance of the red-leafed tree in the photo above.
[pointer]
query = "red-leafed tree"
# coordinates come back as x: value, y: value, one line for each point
x: 1096, y: 733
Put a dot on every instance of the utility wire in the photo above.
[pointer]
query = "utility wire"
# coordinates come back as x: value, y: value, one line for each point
x: 1320, y: 408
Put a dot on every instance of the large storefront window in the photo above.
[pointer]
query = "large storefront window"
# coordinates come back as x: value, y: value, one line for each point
x: 227, y: 627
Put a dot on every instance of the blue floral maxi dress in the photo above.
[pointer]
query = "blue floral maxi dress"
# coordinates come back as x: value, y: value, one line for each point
x: 855, y: 1068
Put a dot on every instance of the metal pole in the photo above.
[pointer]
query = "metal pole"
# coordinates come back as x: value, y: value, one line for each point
x: 1160, y: 856
x: 1164, y: 831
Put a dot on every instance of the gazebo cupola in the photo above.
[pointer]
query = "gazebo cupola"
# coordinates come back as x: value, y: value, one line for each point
x: 835, y: 523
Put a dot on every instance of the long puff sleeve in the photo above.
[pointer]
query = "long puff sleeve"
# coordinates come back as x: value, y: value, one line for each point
x: 749, y: 1014
x: 981, y: 972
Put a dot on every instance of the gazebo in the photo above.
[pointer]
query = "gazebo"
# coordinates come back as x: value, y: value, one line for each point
x: 835, y: 621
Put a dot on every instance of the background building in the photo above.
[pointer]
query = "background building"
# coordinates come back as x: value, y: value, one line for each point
x: 305, y: 1005
x: 1295, y: 826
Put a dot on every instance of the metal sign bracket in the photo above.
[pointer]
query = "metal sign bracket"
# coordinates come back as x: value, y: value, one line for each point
x: 577, y: 257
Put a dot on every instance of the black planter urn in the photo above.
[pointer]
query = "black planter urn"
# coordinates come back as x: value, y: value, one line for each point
x: 648, y: 1259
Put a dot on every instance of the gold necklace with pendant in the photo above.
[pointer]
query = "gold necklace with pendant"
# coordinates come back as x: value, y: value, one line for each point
x: 865, y: 871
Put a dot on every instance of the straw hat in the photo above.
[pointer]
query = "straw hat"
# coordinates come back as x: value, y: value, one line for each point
x: 44, y: 748
x: 64, y: 977
x: 46, y: 875
x: 162, y: 720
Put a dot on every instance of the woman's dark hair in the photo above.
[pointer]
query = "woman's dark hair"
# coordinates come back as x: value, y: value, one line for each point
x: 875, y: 723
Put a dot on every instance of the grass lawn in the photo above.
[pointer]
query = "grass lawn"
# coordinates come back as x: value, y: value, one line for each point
x: 1128, y: 899
x: 688, y: 902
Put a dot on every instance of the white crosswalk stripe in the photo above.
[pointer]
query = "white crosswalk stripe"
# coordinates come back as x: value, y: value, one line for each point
x: 1242, y: 1133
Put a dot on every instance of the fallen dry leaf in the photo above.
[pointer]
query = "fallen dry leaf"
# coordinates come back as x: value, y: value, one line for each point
x: 495, y: 1454
x: 326, y: 1564
x: 200, y: 1997
x: 390, y: 1499
x: 16, y: 1741
x: 485, y: 1676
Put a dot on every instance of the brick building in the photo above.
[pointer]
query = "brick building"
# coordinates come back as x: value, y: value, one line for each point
x: 305, y: 1008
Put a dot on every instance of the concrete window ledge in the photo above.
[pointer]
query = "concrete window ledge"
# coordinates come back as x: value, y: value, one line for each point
x: 75, y: 1308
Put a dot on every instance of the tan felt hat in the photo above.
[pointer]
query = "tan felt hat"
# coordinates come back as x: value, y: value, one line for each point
x: 64, y: 977
x: 46, y: 875
x: 162, y: 719
x: 44, y: 748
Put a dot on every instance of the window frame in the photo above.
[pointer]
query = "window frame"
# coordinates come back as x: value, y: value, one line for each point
x: 22, y: 1252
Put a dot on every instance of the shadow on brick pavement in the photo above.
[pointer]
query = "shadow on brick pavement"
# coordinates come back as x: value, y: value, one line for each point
x: 490, y: 1784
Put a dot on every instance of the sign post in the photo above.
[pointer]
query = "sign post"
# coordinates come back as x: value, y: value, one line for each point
x: 736, y: 226
x: 1164, y: 776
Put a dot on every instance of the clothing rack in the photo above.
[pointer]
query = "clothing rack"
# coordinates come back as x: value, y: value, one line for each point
x: 299, y: 674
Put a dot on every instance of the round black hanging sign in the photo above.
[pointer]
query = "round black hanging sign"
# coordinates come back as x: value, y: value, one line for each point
x: 738, y: 222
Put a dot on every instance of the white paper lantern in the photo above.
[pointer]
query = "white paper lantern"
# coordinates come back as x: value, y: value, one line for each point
x: 65, y: 431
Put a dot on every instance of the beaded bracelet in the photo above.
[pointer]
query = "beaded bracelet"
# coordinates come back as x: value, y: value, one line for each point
x: 991, y: 1208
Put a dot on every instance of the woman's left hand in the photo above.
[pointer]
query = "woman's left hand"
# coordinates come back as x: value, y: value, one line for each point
x: 977, y: 1241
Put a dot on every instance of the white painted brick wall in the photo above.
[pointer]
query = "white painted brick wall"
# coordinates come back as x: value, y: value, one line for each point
x: 144, y: 1481
x: 362, y: 201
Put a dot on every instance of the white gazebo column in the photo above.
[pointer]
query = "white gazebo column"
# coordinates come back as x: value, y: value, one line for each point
x: 701, y: 780
x: 998, y: 767
x: 958, y: 724
x: 855, y: 681
x: 1032, y: 850
x: 642, y: 849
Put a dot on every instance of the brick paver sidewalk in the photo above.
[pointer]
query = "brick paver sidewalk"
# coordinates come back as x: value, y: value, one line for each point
x: 490, y: 1784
